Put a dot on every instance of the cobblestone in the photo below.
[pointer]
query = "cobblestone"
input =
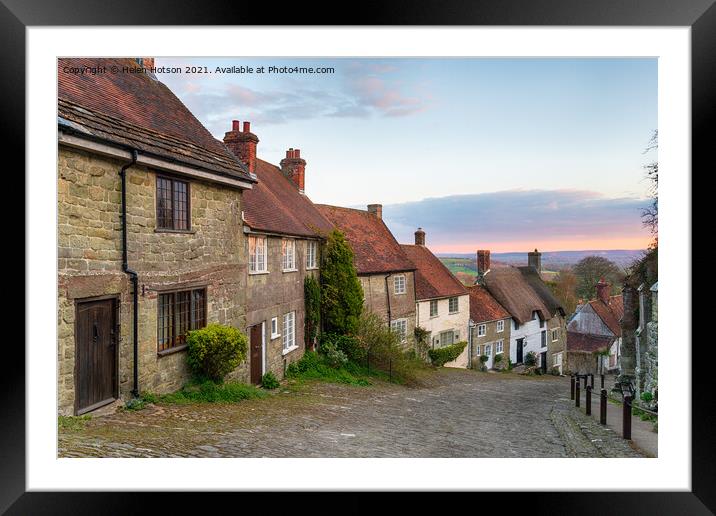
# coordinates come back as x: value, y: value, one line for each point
x: 461, y: 413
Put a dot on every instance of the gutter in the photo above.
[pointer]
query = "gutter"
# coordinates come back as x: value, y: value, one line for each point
x: 132, y: 274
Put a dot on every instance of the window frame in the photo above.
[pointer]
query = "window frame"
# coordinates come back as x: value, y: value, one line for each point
x: 403, y: 333
x: 484, y: 330
x: 289, y: 334
x: 178, y: 342
x: 311, y: 244
x: 284, y: 254
x: 437, y: 310
x: 543, y: 339
x: 499, y: 346
x: 265, y: 253
x: 172, y: 181
x: 395, y: 284
x: 555, y: 331
x: 457, y: 305
x: 274, y: 328
x: 500, y: 326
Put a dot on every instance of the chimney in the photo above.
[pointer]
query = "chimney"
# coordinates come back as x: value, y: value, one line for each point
x: 147, y: 62
x: 243, y: 144
x: 534, y: 259
x: 483, y: 262
x: 376, y: 209
x: 420, y: 237
x: 603, y: 289
x: 294, y: 168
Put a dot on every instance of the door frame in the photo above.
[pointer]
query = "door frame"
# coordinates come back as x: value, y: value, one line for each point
x: 520, y: 350
x: 116, y: 310
x: 263, y: 347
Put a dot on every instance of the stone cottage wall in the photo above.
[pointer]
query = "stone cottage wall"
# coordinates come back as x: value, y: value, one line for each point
x: 402, y: 306
x: 212, y: 254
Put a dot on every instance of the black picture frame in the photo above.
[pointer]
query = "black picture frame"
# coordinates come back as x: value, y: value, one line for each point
x: 17, y: 15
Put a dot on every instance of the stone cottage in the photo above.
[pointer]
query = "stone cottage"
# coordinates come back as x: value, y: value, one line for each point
x: 442, y: 305
x: 538, y: 319
x: 385, y: 272
x: 150, y: 238
x: 599, y: 317
x: 490, y: 325
x: 284, y: 232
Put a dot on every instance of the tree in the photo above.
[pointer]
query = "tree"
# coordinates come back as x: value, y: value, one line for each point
x: 650, y: 215
x: 590, y: 269
x: 564, y: 288
x: 312, y: 296
x: 341, y: 291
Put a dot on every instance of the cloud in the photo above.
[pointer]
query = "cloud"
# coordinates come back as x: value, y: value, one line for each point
x: 517, y: 216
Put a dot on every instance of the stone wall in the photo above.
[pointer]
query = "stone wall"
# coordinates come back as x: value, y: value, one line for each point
x: 211, y: 255
x: 559, y: 323
x: 402, y: 306
x: 274, y: 294
x: 490, y: 337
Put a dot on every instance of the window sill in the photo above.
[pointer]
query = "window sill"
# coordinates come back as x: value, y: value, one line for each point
x: 398, y: 293
x: 434, y: 316
x: 257, y: 273
x: 289, y: 270
x: 287, y: 351
x: 311, y: 268
x: 171, y: 351
x: 453, y: 313
x: 275, y: 336
x: 185, y: 231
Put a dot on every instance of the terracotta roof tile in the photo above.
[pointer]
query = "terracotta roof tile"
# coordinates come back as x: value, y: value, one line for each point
x: 484, y: 307
x: 610, y: 313
x: 137, y: 110
x: 587, y: 342
x: 432, y: 278
x: 374, y: 247
x: 275, y: 205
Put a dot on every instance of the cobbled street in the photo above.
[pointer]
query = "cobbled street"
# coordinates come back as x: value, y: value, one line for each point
x: 461, y: 413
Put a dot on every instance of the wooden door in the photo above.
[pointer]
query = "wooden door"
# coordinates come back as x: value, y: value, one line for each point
x: 520, y: 343
x: 256, y: 354
x: 96, y: 355
x: 543, y: 361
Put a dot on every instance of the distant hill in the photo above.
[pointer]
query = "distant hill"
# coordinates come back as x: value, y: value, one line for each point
x: 551, y: 261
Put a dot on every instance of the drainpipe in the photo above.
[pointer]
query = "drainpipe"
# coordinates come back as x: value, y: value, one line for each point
x: 132, y: 274
x: 387, y: 293
x: 470, y: 326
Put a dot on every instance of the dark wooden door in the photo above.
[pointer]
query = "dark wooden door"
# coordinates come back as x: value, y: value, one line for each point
x: 544, y: 361
x: 255, y: 359
x: 520, y: 342
x: 96, y: 354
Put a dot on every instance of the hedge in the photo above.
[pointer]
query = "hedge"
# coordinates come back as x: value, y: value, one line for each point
x: 446, y: 354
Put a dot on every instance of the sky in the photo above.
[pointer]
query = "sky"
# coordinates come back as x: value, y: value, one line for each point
x: 501, y: 154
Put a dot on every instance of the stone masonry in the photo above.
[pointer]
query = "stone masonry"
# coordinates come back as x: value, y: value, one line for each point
x: 378, y: 301
x: 211, y: 254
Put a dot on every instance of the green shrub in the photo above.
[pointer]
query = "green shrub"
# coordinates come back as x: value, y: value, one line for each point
x: 498, y: 358
x: 208, y: 391
x: 484, y: 358
x: 531, y: 358
x: 421, y: 342
x: 313, y: 366
x: 347, y: 344
x: 334, y: 357
x: 269, y: 381
x: 215, y: 351
x: 312, y: 319
x: 647, y: 396
x: 441, y: 356
x: 341, y: 291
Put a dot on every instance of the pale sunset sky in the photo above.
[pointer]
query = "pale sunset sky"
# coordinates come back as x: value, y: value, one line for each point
x: 501, y: 154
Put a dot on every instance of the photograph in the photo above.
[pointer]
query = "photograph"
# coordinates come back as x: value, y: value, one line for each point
x: 357, y: 257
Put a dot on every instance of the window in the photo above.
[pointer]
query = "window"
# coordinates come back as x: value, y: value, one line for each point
x: 433, y: 308
x: 288, y: 254
x: 177, y: 313
x: 257, y: 254
x: 399, y: 284
x: 311, y: 252
x: 289, y: 332
x: 555, y: 334
x: 477, y: 350
x: 400, y: 326
x: 488, y: 350
x: 517, y: 325
x: 499, y: 347
x: 481, y: 330
x: 500, y: 326
x: 172, y: 204
x: 274, y: 328
x: 452, y: 305
x: 544, y: 339
x: 446, y: 338
x: 541, y: 323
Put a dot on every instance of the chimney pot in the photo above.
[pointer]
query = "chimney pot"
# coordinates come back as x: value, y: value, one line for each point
x: 236, y: 125
x: 420, y: 237
x: 247, y: 127
x: 242, y: 144
x: 376, y: 210
x: 294, y: 168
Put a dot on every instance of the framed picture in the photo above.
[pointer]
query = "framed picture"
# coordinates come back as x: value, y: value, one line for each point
x: 480, y: 185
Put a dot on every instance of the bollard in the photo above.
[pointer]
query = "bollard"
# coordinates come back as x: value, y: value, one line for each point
x: 602, y: 375
x: 626, y: 416
x: 591, y: 380
x: 588, y: 405
x: 576, y: 394
x: 584, y: 377
x: 571, y: 387
x: 603, y: 406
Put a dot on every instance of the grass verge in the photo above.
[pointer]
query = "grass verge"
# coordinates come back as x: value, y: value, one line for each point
x: 72, y: 423
x: 204, y: 392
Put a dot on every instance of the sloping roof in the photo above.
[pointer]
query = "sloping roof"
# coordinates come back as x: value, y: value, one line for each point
x: 275, y: 205
x: 484, y: 307
x: 518, y: 289
x: 432, y: 279
x: 610, y: 313
x: 374, y: 247
x: 587, y: 342
x: 137, y: 110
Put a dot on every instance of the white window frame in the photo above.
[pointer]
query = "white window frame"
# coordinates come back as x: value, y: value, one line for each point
x: 481, y: 330
x: 488, y: 350
x: 274, y: 328
x: 259, y: 243
x: 457, y: 305
x: 288, y: 244
x: 555, y: 331
x: 289, y: 332
x: 311, y: 255
x: 396, y: 281
x: 500, y: 326
x: 437, y: 307
x: 400, y: 326
x: 499, y: 347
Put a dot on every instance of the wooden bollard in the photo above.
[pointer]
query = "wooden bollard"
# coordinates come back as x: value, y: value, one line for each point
x: 603, y: 406
x: 571, y: 387
x: 591, y: 380
x: 584, y: 377
x: 588, y: 406
x: 576, y: 394
x: 626, y: 416
x: 602, y: 375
